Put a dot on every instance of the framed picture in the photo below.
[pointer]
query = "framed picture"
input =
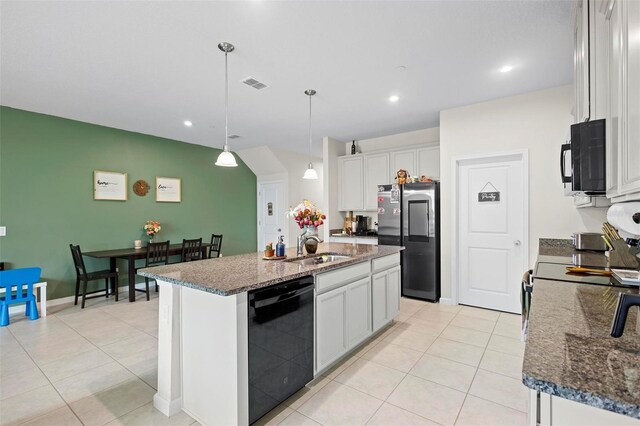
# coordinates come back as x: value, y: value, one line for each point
x: 109, y: 185
x: 168, y: 190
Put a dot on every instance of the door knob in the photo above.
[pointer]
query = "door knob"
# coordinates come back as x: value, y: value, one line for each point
x: 516, y: 242
x: 279, y: 230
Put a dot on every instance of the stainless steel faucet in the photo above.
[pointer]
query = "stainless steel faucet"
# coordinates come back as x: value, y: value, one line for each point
x: 302, y: 238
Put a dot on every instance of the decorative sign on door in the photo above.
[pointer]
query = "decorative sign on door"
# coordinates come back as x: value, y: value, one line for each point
x: 269, y: 208
x: 487, y: 196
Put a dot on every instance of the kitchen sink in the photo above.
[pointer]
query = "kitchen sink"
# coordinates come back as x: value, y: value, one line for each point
x: 318, y: 259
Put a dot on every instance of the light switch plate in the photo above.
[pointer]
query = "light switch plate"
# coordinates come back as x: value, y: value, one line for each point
x: 3, y: 231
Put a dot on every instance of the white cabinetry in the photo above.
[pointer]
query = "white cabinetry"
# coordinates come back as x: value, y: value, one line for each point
x: 405, y: 160
x: 385, y: 289
x: 376, y: 172
x: 331, y: 327
x: 350, y: 186
x: 358, y: 311
x: 556, y: 411
x: 359, y: 175
x: 581, y: 61
x: 429, y: 162
x: 623, y: 112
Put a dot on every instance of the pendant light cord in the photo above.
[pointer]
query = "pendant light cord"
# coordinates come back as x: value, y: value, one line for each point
x: 310, y: 155
x: 226, y: 103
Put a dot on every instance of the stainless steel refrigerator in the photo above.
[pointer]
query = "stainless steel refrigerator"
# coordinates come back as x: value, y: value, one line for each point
x: 409, y: 216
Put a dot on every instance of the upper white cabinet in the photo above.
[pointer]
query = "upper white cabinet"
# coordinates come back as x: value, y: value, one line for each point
x: 429, y: 162
x: 405, y: 160
x: 359, y: 175
x: 376, y: 172
x: 581, y: 84
x: 350, y: 183
x: 622, y: 23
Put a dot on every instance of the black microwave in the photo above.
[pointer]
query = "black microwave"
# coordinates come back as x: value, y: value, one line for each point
x: 583, y: 160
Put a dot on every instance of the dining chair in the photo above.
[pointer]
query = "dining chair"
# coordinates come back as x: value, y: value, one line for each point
x: 157, y: 254
x: 18, y: 278
x: 191, y: 250
x: 216, y: 246
x: 85, y: 277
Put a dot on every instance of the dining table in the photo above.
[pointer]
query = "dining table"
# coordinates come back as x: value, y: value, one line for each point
x: 131, y: 255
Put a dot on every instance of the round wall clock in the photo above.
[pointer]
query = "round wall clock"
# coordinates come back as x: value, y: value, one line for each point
x: 141, y: 187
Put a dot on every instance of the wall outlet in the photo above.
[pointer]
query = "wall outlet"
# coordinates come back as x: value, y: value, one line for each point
x: 3, y: 231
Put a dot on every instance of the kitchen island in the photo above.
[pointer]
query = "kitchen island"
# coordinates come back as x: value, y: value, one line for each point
x: 203, y: 320
x: 577, y: 372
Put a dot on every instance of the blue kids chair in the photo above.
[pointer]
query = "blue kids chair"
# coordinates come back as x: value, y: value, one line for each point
x: 19, y: 278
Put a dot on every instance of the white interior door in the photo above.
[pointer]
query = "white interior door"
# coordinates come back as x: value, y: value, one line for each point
x: 492, y: 230
x: 271, y: 212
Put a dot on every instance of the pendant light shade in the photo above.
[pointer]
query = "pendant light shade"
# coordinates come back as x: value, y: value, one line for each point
x: 226, y: 158
x: 310, y: 173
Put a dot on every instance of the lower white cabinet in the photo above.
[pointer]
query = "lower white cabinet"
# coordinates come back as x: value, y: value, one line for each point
x: 358, y: 311
x: 385, y: 290
x: 331, y: 327
x: 549, y: 410
x: 343, y: 320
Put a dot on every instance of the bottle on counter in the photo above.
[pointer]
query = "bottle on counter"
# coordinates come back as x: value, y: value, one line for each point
x: 280, y: 246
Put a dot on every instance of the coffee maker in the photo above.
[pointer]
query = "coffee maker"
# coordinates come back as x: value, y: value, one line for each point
x: 362, y: 225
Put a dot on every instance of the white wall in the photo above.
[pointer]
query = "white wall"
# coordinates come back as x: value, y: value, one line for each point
x: 398, y: 141
x: 300, y: 189
x: 331, y: 150
x: 537, y: 121
x: 270, y: 164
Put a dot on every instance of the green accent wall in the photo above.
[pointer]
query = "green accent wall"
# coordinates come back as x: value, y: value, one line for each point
x: 46, y: 194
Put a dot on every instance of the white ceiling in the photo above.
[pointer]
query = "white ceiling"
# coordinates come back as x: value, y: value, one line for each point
x: 147, y: 66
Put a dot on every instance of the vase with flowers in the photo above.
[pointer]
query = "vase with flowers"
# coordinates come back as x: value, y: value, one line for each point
x: 152, y: 227
x: 308, y: 217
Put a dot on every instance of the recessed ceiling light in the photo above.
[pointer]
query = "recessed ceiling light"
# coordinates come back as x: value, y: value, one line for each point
x: 401, y: 68
x: 394, y: 98
x: 506, y: 68
x: 188, y: 123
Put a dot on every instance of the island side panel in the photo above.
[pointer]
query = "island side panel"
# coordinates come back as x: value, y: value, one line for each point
x: 168, y: 399
x: 215, y: 382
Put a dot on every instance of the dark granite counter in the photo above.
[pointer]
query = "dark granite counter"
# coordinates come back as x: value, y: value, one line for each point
x: 235, y: 274
x: 569, y: 352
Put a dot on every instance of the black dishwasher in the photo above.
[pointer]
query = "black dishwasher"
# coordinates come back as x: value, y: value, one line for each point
x: 280, y: 343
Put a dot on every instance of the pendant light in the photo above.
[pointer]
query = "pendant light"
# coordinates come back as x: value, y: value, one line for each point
x: 226, y: 158
x: 310, y: 173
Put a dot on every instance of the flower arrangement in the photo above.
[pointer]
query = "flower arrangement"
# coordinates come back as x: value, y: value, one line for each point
x: 307, y: 214
x: 152, y: 227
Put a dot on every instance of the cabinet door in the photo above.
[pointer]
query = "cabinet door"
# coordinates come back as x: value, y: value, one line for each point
x: 429, y: 162
x: 405, y: 160
x: 614, y: 106
x: 358, y: 311
x: 393, y: 293
x: 350, y: 183
x: 331, y: 327
x: 581, y: 62
x: 379, y: 299
x: 376, y: 172
x: 630, y: 152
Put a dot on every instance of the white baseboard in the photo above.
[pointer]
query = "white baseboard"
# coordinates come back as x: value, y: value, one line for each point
x: 447, y: 301
x: 63, y: 300
x: 168, y: 408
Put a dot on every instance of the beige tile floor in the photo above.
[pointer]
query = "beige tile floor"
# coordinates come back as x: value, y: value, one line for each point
x: 436, y: 364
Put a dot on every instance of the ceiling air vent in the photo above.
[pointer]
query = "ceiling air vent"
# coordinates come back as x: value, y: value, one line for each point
x: 250, y: 81
x: 233, y: 136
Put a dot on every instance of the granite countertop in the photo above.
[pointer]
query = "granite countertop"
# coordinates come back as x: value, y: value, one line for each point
x: 563, y: 251
x: 236, y: 274
x: 569, y: 352
x: 353, y: 236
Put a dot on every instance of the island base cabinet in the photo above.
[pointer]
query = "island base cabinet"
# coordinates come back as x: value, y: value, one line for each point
x: 549, y: 410
x: 331, y: 327
x: 359, y: 311
x: 385, y: 288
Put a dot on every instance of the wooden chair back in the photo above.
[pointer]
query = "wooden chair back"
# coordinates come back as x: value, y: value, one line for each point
x: 216, y: 246
x: 191, y: 250
x: 78, y: 261
x: 157, y: 254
